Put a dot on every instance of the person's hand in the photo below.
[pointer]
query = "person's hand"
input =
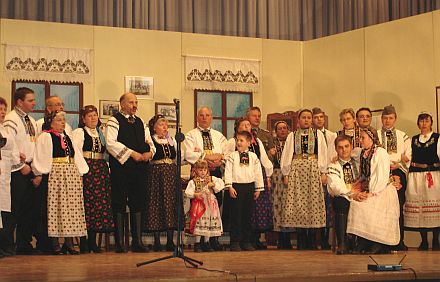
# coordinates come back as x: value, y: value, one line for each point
x: 136, y: 156
x: 404, y: 158
x: 324, y: 179
x: 272, y: 151
x: 211, y: 185
x: 269, y: 183
x: 286, y: 180
x: 37, y: 181
x: 394, y: 166
x: 256, y: 195
x: 147, y: 156
x: 198, y: 196
x: 396, y: 182
x: 357, y: 186
x: 334, y: 159
x: 232, y: 192
x: 360, y: 196
x: 22, y: 157
x: 25, y: 170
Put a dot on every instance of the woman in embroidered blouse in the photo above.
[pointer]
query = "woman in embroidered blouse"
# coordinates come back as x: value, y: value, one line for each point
x: 161, y: 214
x: 56, y: 156
x: 303, y: 165
x: 374, y: 213
x: 262, y: 217
x: 421, y: 212
x: 96, y: 183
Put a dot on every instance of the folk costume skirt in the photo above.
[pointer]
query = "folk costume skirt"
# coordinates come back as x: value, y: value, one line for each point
x: 65, y: 202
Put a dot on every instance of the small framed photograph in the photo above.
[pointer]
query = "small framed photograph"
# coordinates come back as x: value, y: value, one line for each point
x: 141, y: 86
x: 168, y: 110
x: 108, y: 108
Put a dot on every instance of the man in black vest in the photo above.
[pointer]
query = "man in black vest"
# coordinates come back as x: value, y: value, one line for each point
x: 128, y: 143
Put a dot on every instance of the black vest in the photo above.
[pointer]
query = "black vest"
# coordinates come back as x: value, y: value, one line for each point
x: 132, y: 135
x: 57, y: 150
x: 164, y: 151
x: 424, y: 153
x: 88, y: 143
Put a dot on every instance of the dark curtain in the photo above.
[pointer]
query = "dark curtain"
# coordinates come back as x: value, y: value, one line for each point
x: 274, y: 19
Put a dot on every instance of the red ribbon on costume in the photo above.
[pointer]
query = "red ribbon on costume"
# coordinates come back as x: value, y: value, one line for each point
x: 198, y: 208
x: 63, y: 146
x: 213, y: 205
x: 429, y: 179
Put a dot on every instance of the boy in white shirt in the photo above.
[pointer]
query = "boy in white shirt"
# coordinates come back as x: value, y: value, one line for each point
x: 244, y: 179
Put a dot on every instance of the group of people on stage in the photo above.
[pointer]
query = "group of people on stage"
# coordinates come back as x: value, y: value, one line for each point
x: 62, y: 183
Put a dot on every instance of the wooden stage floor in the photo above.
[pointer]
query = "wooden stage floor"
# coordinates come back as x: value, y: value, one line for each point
x: 270, y: 265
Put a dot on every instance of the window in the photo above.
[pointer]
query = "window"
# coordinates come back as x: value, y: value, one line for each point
x: 226, y: 108
x: 70, y: 93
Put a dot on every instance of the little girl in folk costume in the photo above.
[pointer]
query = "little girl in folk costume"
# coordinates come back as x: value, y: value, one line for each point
x: 205, y: 219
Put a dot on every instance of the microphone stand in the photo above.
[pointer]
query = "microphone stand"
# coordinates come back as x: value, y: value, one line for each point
x: 178, y: 250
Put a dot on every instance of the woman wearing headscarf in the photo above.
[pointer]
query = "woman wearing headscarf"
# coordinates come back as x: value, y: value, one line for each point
x: 374, y: 212
x: 421, y: 212
x: 96, y: 183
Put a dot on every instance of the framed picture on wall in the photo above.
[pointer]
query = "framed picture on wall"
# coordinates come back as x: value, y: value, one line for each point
x: 141, y: 86
x: 437, y: 101
x: 108, y: 108
x: 168, y: 110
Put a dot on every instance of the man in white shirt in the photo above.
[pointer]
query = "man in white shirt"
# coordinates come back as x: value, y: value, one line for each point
x: 318, y: 123
x: 364, y: 117
x: 130, y: 147
x: 398, y: 146
x: 342, y: 182
x: 53, y: 103
x: 204, y: 142
x: 22, y: 128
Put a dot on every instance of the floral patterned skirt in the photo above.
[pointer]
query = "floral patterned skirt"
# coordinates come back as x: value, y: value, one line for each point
x: 303, y: 199
x: 161, y: 212
x: 277, y: 198
x: 262, y: 216
x: 65, y: 203
x: 97, y: 197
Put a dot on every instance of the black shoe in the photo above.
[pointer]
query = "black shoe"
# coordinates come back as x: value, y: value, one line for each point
x: 136, y: 247
x: 29, y: 252
x: 400, y: 247
x: 435, y: 246
x: 423, y: 246
x: 68, y: 250
x: 83, y: 245
x: 95, y: 249
x: 235, y: 247
x: 206, y: 247
x: 260, y: 246
x: 57, y: 252
x: 198, y: 248
x: 215, y: 244
x: 7, y: 252
x: 247, y: 247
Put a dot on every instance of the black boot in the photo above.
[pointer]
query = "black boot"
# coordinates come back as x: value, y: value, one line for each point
x: 435, y: 240
x: 157, y: 247
x: 281, y: 240
x: 325, y: 232
x: 136, y: 233
x: 301, y: 239
x: 287, y: 241
x: 341, y: 228
x: 83, y: 245
x: 56, y: 250
x: 170, y: 241
x: 215, y: 244
x: 311, y: 239
x: 424, y: 244
x: 91, y: 238
x: 68, y: 247
x: 258, y: 244
x: 119, y: 232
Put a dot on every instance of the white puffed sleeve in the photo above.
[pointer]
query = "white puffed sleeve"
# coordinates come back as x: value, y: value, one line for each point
x: 229, y: 147
x: 219, y: 184
x: 322, y: 152
x: 42, y: 161
x: 193, y: 152
x: 115, y: 148
x: 258, y: 173
x: 380, y: 170
x: 287, y: 155
x: 79, y: 160
x: 335, y: 181
x: 78, y: 137
x: 267, y: 164
x: 190, y: 189
x: 149, y: 140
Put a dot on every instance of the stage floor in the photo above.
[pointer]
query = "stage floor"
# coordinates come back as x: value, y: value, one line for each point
x: 271, y: 265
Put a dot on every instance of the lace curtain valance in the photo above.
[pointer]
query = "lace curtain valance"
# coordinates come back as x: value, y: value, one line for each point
x: 47, y: 63
x: 222, y: 74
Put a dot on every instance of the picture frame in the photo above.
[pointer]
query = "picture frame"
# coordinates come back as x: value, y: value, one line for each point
x: 437, y: 106
x: 141, y: 86
x: 168, y: 110
x: 107, y: 108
